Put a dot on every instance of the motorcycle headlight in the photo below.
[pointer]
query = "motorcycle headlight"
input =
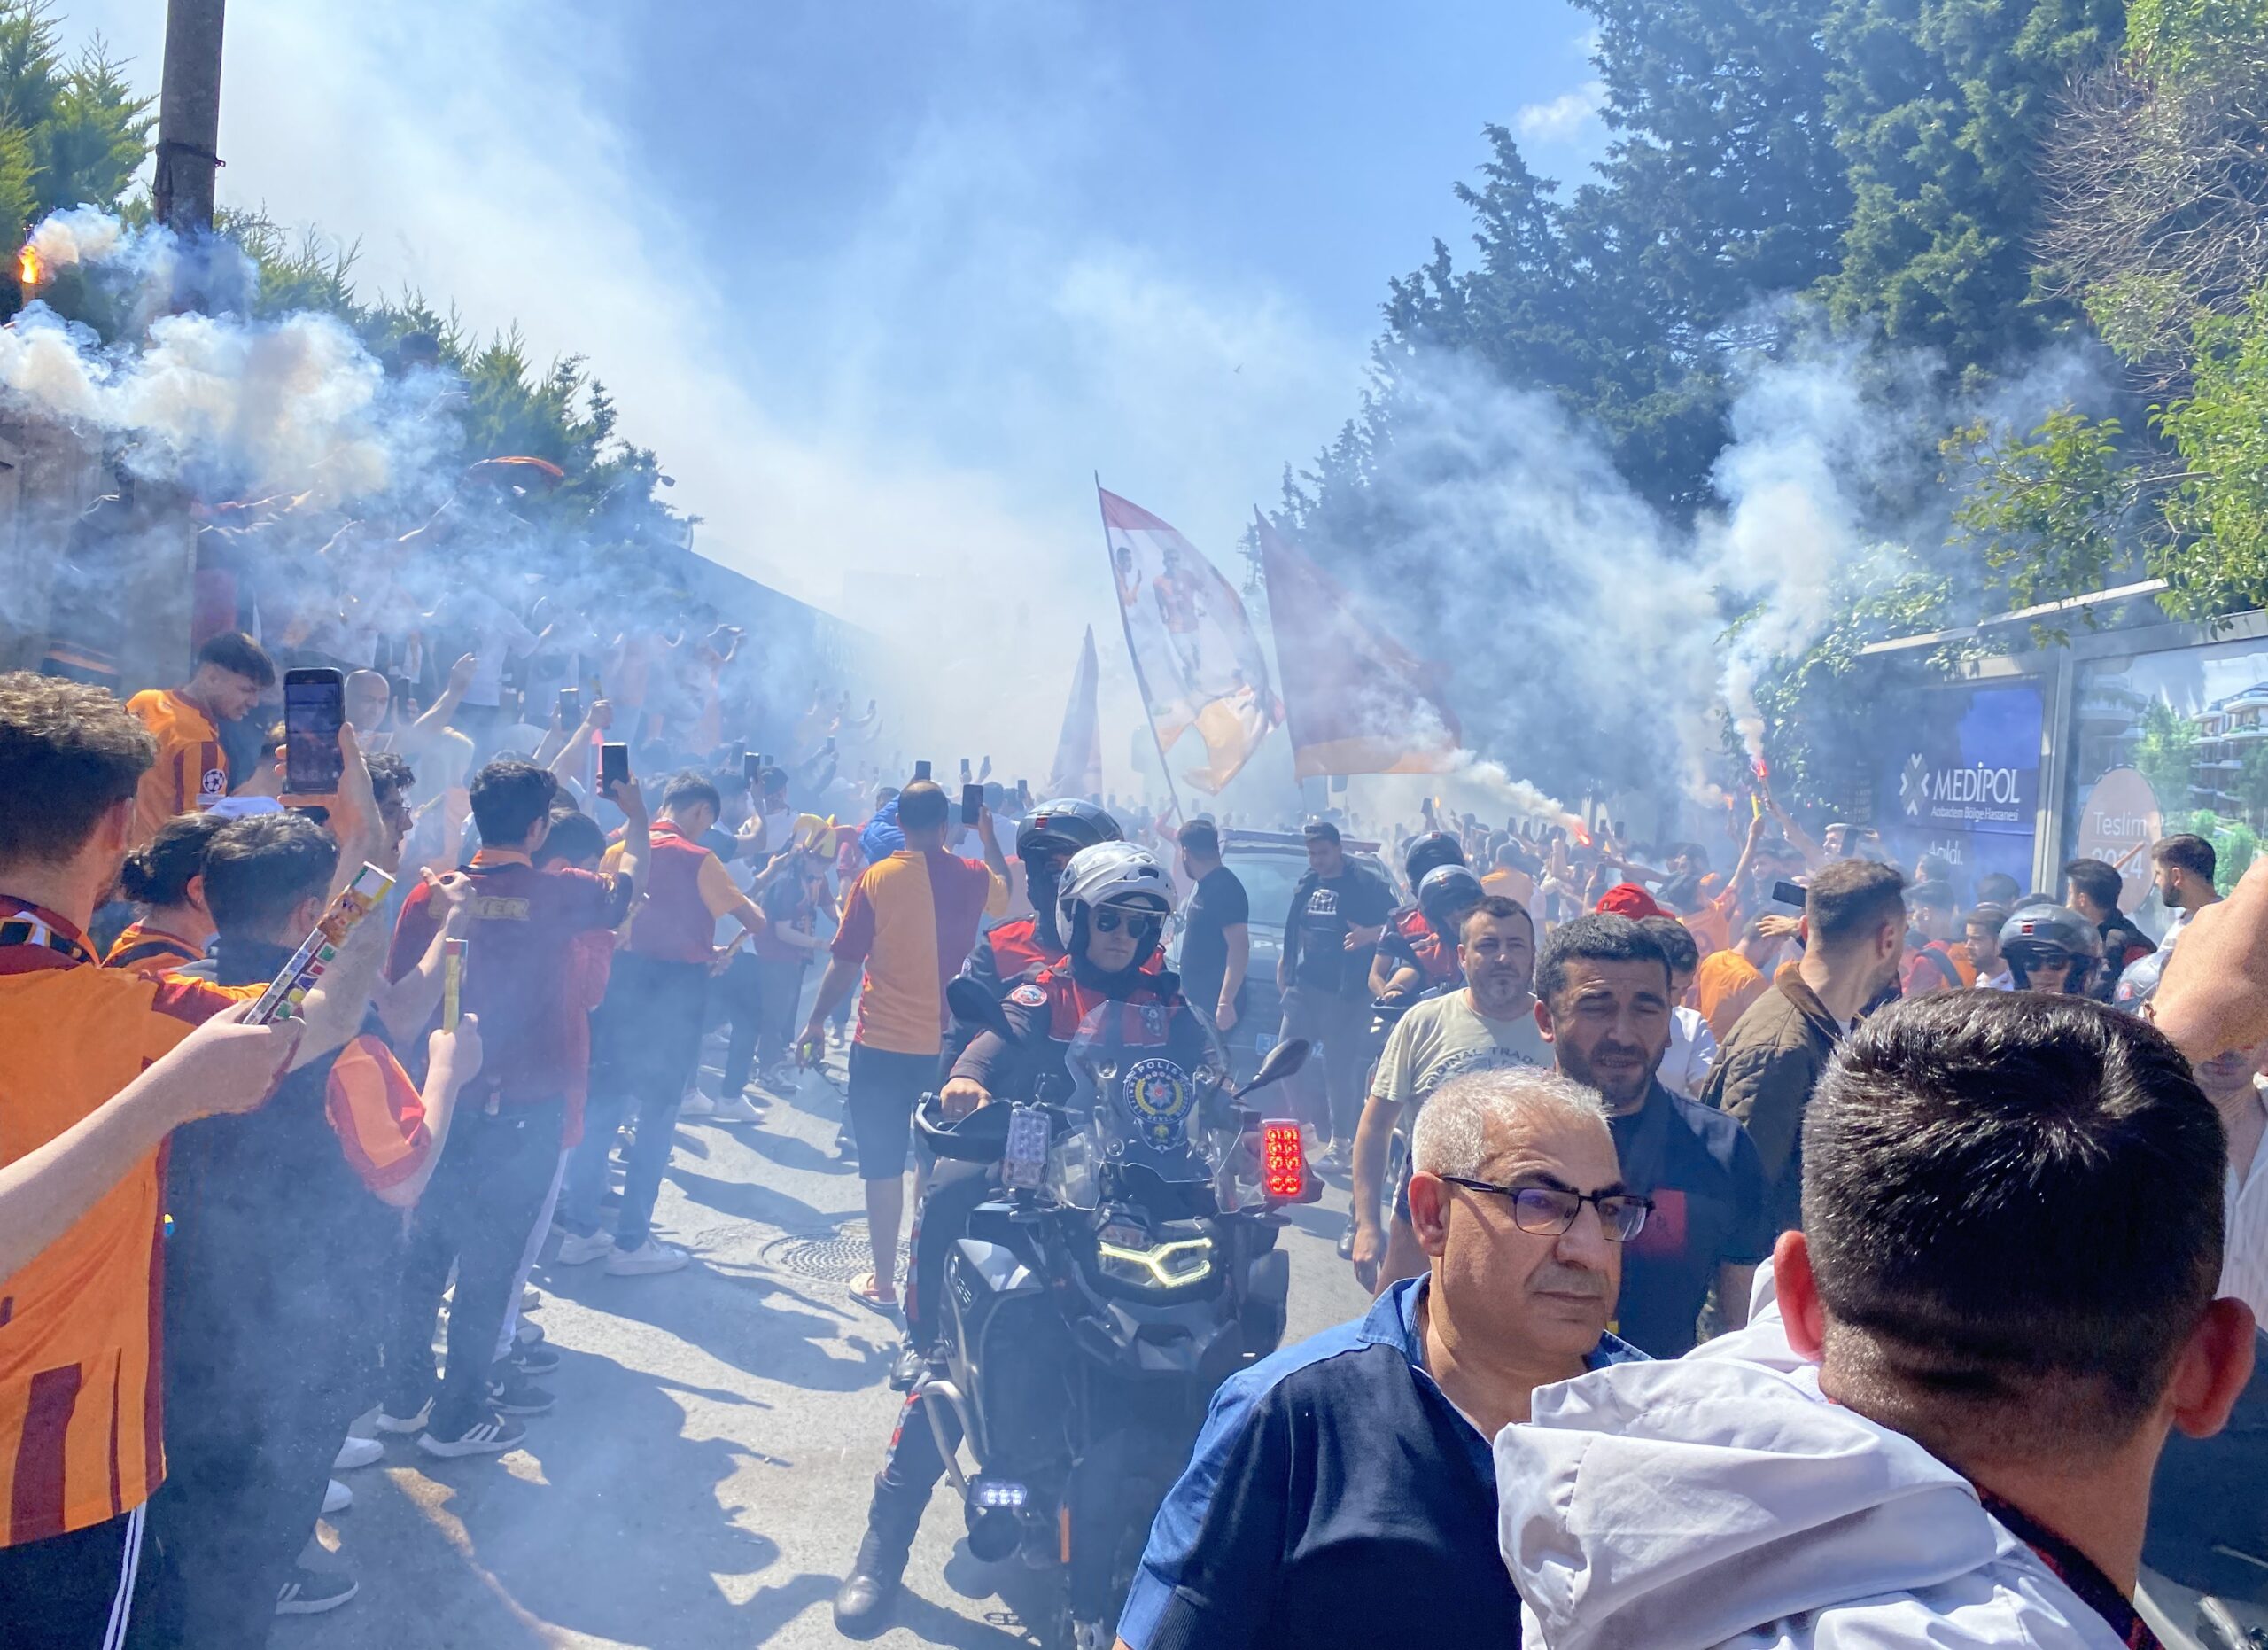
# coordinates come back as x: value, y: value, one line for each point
x: 1170, y: 1266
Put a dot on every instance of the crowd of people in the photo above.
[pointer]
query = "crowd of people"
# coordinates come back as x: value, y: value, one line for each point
x: 1679, y: 1193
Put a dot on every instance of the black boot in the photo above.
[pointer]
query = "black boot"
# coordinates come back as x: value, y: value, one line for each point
x: 868, y: 1595
x: 907, y: 1368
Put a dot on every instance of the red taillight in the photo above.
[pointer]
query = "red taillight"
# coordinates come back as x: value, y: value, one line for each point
x: 1283, y: 1161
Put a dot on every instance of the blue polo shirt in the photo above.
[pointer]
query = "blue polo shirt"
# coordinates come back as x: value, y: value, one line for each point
x: 1333, y: 1483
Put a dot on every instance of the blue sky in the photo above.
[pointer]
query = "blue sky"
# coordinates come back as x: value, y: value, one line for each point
x: 883, y: 283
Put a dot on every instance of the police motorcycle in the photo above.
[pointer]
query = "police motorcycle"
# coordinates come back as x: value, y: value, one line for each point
x: 1129, y: 1265
x: 2204, y: 1581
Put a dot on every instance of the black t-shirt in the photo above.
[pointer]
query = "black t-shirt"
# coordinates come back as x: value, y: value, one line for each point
x: 1323, y: 908
x: 1217, y: 904
x: 1707, y: 1183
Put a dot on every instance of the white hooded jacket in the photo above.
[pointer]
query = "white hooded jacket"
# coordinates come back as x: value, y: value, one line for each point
x: 1718, y: 1499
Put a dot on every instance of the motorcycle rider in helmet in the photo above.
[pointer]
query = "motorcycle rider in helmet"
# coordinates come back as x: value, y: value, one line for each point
x: 1049, y: 835
x: 1045, y: 841
x: 1444, y: 898
x: 1407, y: 929
x: 1111, y: 905
x: 2051, y: 948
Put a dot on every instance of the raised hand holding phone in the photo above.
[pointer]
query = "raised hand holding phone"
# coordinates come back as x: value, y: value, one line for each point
x: 315, y: 710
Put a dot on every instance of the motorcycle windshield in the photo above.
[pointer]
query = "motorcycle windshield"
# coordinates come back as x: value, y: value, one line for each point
x: 1148, y: 1073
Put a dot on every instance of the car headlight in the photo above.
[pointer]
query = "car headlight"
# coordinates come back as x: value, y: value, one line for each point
x: 1170, y: 1266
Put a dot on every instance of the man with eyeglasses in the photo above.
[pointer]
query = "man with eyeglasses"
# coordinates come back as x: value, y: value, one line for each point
x: 1341, y: 1478
x: 1603, y: 1001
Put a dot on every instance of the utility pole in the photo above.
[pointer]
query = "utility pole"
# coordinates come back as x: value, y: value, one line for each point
x: 189, y: 115
x: 157, y: 578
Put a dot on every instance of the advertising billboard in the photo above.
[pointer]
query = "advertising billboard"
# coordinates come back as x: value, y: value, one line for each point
x: 2171, y: 741
x: 1958, y: 777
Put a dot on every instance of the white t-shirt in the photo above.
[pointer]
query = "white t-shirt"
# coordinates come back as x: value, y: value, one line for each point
x: 1445, y: 1037
x: 1692, y: 1051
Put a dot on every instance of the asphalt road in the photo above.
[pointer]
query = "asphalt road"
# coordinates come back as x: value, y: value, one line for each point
x: 703, y: 1482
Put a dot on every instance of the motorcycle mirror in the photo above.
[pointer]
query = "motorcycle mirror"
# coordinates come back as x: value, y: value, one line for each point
x: 971, y: 1002
x: 1280, y: 1062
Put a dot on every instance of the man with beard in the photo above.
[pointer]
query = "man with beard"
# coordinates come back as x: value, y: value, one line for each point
x: 1487, y: 1024
x: 1603, y: 1002
x: 1855, y: 935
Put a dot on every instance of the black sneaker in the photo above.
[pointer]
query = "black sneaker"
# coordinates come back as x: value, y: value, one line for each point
x: 489, y: 1434
x: 868, y: 1596
x: 534, y: 1361
x: 512, y: 1393
x: 312, y: 1591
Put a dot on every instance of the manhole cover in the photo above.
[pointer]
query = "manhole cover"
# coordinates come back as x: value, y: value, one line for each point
x: 841, y: 1255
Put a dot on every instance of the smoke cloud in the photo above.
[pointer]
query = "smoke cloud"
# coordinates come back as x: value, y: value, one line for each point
x: 1593, y: 646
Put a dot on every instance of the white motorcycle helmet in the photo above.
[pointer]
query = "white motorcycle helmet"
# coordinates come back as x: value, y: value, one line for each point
x: 1110, y: 873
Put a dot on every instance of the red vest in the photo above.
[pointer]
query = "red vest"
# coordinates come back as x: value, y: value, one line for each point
x: 673, y: 922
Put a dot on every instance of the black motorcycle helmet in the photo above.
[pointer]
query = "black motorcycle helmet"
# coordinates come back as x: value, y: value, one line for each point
x: 1445, y: 895
x: 1429, y: 852
x: 2038, y: 940
x: 1049, y: 835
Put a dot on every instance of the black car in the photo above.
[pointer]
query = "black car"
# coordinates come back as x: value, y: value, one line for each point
x: 1270, y: 864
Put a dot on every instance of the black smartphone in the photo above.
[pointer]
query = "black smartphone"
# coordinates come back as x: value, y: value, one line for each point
x: 921, y: 770
x: 314, y: 709
x: 614, y: 766
x: 972, y: 803
x: 571, y: 708
x: 764, y: 761
x: 965, y: 770
x: 751, y: 765
x: 1023, y: 796
x: 1788, y: 893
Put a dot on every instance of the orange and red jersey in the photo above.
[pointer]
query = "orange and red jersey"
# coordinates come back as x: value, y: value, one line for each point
x: 151, y: 951
x: 912, y: 920
x: 81, y: 1420
x: 686, y: 889
x: 190, y: 771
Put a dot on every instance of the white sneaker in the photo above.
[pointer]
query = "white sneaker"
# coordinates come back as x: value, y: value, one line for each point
x: 733, y: 1109
x: 336, y: 1497
x: 412, y: 1422
x: 651, y: 1256
x: 696, y: 1106
x: 574, y: 1251
x: 357, y: 1453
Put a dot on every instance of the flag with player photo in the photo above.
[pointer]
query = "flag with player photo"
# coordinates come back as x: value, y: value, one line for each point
x: 1197, y: 661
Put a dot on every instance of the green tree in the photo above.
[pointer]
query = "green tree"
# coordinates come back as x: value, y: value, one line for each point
x: 1721, y: 189
x: 71, y: 134
x: 1940, y: 107
x: 95, y: 135
x: 2165, y: 754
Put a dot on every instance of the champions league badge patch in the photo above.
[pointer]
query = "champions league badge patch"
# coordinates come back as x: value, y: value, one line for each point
x: 1030, y: 996
x: 1161, y: 1097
